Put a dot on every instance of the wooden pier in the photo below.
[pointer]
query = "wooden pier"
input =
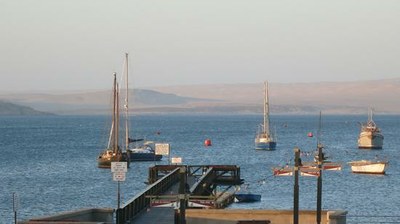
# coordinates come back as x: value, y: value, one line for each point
x: 171, y: 186
x: 176, y: 194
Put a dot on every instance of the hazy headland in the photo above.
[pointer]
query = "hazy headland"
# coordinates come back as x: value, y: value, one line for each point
x: 285, y: 98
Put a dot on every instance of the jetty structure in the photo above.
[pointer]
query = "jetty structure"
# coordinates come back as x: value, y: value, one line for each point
x: 188, y: 194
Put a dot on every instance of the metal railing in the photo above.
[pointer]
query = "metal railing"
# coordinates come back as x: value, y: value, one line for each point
x: 140, y: 202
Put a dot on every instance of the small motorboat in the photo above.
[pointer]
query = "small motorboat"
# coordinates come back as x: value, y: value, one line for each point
x: 247, y: 197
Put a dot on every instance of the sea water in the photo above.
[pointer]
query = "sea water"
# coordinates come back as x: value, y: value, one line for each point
x: 49, y: 162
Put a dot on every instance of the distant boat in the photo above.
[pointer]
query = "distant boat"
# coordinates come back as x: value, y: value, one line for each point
x: 142, y: 151
x: 306, y: 169
x: 264, y: 138
x: 368, y: 166
x: 370, y: 135
x: 247, y: 197
x: 113, y: 152
x: 282, y: 171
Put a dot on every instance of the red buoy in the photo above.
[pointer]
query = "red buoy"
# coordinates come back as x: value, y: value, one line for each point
x: 207, y: 142
x: 310, y: 134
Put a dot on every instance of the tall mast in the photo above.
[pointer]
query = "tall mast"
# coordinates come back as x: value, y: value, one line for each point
x: 319, y: 130
x: 370, y: 111
x: 114, y: 113
x: 266, y: 109
x: 126, y: 104
x: 116, y: 119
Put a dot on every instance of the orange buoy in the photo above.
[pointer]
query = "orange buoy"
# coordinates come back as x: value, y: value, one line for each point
x: 310, y: 134
x: 207, y: 142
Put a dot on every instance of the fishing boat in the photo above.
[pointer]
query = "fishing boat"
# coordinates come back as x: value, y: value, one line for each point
x: 264, y: 139
x: 142, y: 150
x: 113, y: 152
x: 368, y: 166
x: 370, y: 135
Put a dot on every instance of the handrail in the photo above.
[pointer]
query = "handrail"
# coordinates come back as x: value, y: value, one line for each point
x: 198, y: 188
x: 140, y: 202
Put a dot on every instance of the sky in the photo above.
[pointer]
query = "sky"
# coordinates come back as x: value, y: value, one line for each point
x: 78, y: 44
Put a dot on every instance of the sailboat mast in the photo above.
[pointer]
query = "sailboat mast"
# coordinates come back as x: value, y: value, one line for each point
x: 266, y: 109
x: 126, y: 104
x: 114, y: 111
x: 319, y: 129
x: 116, y: 119
x: 370, y: 111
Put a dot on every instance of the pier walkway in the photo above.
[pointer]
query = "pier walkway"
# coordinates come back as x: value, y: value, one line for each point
x: 198, y: 186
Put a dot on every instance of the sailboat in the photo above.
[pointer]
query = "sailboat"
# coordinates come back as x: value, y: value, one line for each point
x: 113, y: 152
x: 142, y: 150
x: 264, y: 138
x: 370, y: 135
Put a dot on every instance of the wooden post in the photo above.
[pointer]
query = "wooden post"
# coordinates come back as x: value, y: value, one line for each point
x: 319, y: 163
x: 297, y: 163
x: 182, y: 195
x: 319, y: 184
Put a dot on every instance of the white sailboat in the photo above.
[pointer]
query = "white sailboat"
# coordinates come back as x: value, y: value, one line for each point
x: 370, y: 135
x: 264, y: 139
x: 142, y: 150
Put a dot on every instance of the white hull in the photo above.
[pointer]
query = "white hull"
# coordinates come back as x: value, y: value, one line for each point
x: 370, y: 140
x: 370, y: 135
x: 264, y: 139
x: 263, y: 143
x: 371, y: 167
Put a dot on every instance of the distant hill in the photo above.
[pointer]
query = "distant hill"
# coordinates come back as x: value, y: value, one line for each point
x: 331, y: 97
x: 98, y: 102
x: 7, y: 108
x: 285, y: 98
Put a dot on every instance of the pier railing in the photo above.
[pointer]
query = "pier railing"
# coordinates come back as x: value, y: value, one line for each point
x: 140, y: 202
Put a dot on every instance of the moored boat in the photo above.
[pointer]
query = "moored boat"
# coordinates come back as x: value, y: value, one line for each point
x: 264, y: 139
x: 368, y: 166
x: 141, y: 151
x: 247, y: 197
x: 282, y: 171
x: 113, y: 152
x: 144, y: 152
x: 370, y: 135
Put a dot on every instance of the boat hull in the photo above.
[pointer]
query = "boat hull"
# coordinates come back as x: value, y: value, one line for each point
x: 368, y: 140
x: 265, y: 145
x: 105, y: 161
x: 368, y: 167
x: 247, y: 197
x: 144, y: 157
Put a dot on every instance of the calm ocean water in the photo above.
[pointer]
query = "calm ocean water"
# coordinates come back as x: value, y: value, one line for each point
x: 50, y: 161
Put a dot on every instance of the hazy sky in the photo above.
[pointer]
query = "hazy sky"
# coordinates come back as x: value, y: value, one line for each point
x: 77, y: 44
